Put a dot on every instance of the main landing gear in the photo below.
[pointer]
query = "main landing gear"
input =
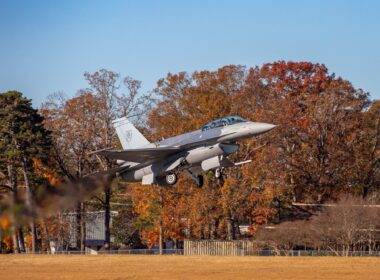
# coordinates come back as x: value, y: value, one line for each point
x: 171, y: 179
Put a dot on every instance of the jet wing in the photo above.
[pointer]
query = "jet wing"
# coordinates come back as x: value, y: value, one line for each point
x: 110, y: 172
x: 140, y: 155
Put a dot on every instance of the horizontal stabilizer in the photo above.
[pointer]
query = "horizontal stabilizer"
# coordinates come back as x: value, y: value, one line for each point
x: 113, y: 172
x: 140, y: 155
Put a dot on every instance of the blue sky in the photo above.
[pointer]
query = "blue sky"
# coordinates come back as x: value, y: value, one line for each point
x: 46, y: 46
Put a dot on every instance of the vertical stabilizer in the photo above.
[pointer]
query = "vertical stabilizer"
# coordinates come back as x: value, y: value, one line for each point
x: 129, y: 136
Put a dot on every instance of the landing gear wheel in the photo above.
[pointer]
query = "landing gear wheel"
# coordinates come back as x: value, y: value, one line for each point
x: 199, y: 181
x: 218, y: 173
x: 171, y: 178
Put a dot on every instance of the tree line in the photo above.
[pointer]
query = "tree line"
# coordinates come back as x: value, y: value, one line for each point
x: 326, y: 146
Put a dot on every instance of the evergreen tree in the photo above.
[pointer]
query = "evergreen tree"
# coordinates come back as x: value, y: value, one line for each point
x: 23, y: 140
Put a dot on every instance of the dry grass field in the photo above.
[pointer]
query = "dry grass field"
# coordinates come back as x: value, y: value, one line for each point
x: 180, y: 267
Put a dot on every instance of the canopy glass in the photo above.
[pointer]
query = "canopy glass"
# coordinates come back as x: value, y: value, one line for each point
x: 223, y: 122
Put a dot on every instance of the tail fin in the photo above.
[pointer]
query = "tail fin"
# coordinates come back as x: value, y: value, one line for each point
x: 129, y: 136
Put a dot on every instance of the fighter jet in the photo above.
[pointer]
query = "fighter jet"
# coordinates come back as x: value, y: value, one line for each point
x: 195, y: 152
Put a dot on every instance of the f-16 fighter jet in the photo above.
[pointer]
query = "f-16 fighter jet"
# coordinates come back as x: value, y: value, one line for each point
x: 196, y: 152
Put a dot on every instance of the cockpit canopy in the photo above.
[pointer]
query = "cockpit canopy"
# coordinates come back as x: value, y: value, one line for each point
x: 223, y: 122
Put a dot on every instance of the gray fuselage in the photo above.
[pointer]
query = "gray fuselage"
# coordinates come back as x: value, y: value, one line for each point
x: 201, y: 150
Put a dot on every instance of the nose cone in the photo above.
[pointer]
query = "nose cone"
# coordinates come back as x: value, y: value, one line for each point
x: 259, y: 128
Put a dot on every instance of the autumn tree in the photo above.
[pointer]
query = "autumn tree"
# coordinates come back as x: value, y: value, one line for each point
x: 83, y: 124
x: 73, y: 124
x: 104, y: 85
x: 319, y: 118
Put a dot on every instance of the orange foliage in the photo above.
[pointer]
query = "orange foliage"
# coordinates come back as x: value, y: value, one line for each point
x: 4, y: 222
x: 8, y: 243
x: 28, y: 241
x: 46, y: 173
